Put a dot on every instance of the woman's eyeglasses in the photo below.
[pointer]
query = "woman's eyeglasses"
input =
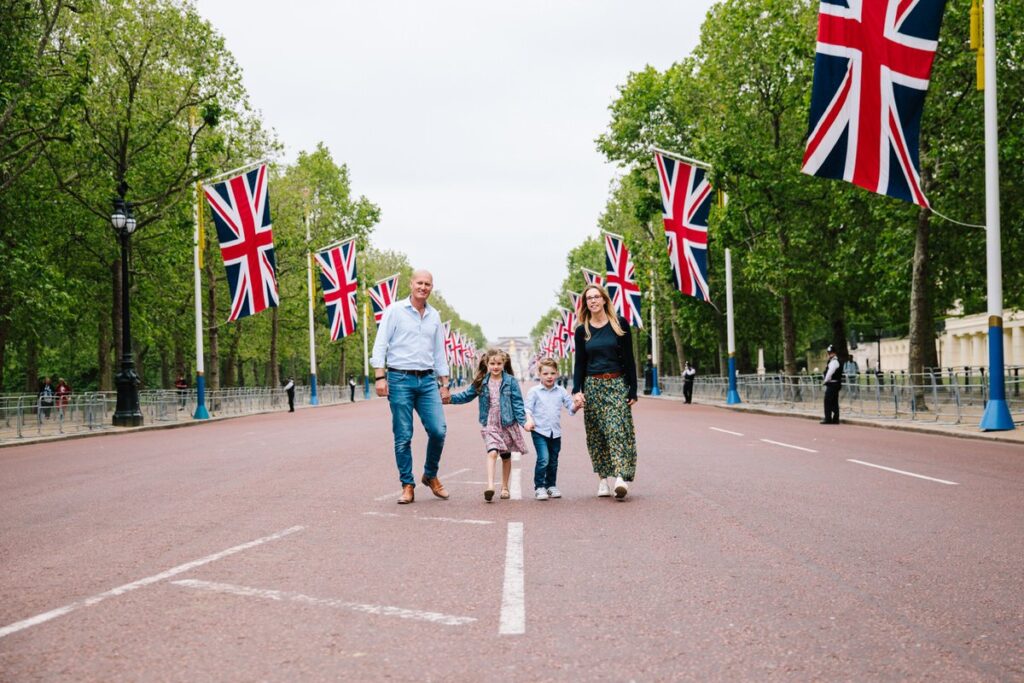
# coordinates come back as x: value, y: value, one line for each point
x: 595, y: 298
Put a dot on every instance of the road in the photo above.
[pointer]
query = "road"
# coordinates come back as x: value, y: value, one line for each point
x: 751, y: 547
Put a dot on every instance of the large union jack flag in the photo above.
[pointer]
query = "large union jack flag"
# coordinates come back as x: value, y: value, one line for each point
x: 874, y: 59
x: 686, y: 203
x: 338, y: 279
x: 382, y: 295
x: 241, y: 212
x: 621, y: 280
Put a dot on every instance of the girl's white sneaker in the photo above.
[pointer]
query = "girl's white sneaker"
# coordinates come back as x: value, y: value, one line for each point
x: 621, y: 488
x: 553, y: 492
x: 541, y: 493
x: 602, y: 489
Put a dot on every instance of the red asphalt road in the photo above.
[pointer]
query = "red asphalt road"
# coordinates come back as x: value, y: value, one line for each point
x: 731, y: 559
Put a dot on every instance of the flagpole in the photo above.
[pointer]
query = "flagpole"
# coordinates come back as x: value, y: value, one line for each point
x: 733, y: 397
x: 313, y: 399
x: 366, y: 350
x: 997, y: 413
x: 655, y: 354
x: 201, y: 412
x: 233, y: 171
x: 680, y: 157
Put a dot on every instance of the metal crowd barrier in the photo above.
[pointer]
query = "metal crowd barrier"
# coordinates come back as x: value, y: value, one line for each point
x: 24, y: 416
x: 941, y: 396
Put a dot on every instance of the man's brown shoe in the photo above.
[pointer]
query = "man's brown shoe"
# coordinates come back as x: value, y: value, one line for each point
x: 436, y: 486
x: 407, y: 494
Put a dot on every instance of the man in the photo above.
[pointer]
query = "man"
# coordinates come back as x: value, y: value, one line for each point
x: 408, y: 360
x: 46, y: 397
x: 181, y: 385
x: 833, y: 383
x: 688, y: 374
x: 351, y: 389
x: 289, y: 388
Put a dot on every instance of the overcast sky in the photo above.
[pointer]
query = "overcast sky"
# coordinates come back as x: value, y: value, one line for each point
x: 470, y: 124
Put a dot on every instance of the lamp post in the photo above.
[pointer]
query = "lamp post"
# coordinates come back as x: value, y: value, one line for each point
x: 127, y: 413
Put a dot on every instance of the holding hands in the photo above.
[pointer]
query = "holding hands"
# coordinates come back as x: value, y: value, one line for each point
x: 578, y: 401
x: 529, y: 426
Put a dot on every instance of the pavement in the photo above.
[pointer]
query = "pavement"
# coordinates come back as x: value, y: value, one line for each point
x: 751, y: 547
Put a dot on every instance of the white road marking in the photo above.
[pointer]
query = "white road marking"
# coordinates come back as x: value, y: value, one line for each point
x: 432, y: 519
x: 128, y: 587
x: 397, y: 493
x: 909, y: 474
x: 789, y: 445
x: 725, y: 431
x: 513, y: 595
x: 515, y: 485
x: 286, y: 596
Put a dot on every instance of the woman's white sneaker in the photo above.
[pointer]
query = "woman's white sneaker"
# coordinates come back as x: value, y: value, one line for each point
x: 602, y: 489
x: 621, y: 488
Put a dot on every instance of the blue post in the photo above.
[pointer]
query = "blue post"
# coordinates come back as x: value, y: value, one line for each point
x: 313, y: 400
x: 996, y: 417
x: 655, y: 391
x: 201, y: 413
x: 733, y: 397
x: 366, y: 387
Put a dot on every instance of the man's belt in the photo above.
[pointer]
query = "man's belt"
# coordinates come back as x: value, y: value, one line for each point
x: 414, y: 373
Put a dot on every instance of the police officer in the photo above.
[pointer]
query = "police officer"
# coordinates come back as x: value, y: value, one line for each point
x: 833, y: 383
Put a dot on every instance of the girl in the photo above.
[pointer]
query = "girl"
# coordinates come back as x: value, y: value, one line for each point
x: 604, y: 380
x: 501, y: 414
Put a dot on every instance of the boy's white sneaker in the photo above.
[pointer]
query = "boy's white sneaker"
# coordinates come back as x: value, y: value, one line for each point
x: 541, y: 493
x: 602, y: 489
x: 621, y: 488
x: 553, y: 492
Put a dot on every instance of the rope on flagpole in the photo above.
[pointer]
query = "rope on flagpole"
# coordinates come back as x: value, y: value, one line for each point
x: 225, y: 174
x: 680, y: 157
x: 953, y: 220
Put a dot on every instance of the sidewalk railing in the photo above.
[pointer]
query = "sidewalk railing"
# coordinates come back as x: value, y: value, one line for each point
x: 24, y: 416
x: 947, y: 396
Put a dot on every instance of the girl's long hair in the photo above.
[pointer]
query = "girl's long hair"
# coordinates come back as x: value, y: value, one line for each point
x: 481, y: 368
x: 609, y: 311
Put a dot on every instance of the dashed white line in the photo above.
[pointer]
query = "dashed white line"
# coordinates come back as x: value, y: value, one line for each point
x: 725, y: 431
x: 128, y: 587
x: 513, y: 595
x: 515, y: 485
x: 453, y: 520
x: 909, y: 474
x: 789, y: 445
x: 286, y: 596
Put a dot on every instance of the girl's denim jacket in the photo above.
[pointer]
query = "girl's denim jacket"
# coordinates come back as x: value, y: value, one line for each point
x: 510, y: 400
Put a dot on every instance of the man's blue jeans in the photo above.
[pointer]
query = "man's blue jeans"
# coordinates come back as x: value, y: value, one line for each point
x: 546, y: 471
x: 405, y: 394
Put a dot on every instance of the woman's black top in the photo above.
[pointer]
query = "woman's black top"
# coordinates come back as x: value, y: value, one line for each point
x: 604, y: 352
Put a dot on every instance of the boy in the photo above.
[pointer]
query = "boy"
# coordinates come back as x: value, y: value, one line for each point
x: 543, y: 421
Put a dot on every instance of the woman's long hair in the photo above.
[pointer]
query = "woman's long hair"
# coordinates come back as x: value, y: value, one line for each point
x: 609, y: 310
x: 481, y: 368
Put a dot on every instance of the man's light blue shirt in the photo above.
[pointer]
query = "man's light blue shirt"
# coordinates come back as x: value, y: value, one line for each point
x: 408, y: 341
x: 545, y: 407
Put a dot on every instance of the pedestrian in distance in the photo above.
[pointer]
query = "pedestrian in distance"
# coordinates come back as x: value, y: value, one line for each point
x: 411, y: 371
x: 351, y: 389
x: 544, y: 405
x: 63, y: 392
x: 289, y: 388
x: 689, y: 374
x: 604, y: 382
x: 648, y: 375
x: 501, y: 414
x: 181, y: 385
x: 45, y: 398
x: 833, y: 382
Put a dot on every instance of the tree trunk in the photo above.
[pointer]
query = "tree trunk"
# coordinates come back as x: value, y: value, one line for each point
x: 275, y: 369
x: 922, y: 352
x: 165, y: 368
x: 4, y: 327
x: 232, y: 357
x: 212, y: 363
x: 116, y: 321
x: 788, y: 336
x: 677, y: 338
x: 342, y: 368
x: 240, y: 370
x: 838, y: 324
x: 179, y: 357
x: 103, y: 355
x: 32, y: 364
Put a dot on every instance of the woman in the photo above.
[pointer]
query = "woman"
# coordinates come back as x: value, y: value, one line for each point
x: 604, y: 380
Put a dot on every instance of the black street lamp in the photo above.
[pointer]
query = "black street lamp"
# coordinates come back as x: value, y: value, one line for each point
x: 127, y: 413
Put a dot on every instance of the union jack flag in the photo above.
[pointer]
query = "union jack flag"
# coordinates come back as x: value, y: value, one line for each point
x: 874, y: 59
x: 382, y: 295
x: 686, y: 203
x: 592, y: 277
x: 241, y: 212
x: 568, y: 329
x: 574, y: 302
x: 621, y: 280
x: 338, y: 279
x: 449, y: 341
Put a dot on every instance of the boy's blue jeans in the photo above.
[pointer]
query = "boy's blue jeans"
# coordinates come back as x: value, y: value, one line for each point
x: 546, y: 471
x: 405, y: 394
